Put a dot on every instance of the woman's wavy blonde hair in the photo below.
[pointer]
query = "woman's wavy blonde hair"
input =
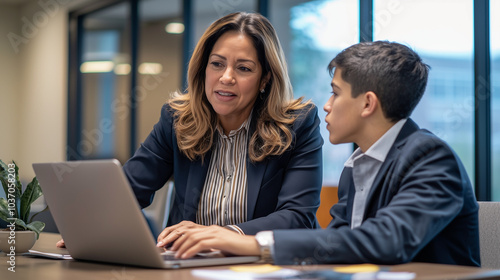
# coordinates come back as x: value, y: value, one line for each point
x: 274, y: 109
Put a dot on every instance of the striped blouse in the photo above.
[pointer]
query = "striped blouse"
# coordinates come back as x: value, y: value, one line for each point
x: 224, y: 197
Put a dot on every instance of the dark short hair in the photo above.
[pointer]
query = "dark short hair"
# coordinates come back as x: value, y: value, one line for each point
x: 394, y: 72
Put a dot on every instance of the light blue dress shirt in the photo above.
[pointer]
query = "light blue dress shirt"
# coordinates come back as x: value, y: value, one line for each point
x: 365, y: 167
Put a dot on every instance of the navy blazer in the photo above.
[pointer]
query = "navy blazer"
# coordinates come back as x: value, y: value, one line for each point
x: 283, y: 191
x: 421, y: 208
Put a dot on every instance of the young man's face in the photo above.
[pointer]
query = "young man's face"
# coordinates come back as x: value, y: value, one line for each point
x: 343, y: 116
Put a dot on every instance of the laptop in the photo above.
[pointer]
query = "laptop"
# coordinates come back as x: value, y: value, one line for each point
x: 100, y: 219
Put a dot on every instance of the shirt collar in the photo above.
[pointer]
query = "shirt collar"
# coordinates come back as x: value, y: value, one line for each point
x: 381, y: 147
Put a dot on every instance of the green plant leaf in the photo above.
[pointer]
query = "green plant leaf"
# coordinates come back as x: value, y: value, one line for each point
x: 34, y: 215
x: 32, y: 193
x: 20, y: 225
x: 4, y: 179
x: 4, y: 185
x: 37, y: 227
x: 23, y: 201
x: 4, y: 210
x: 3, y: 176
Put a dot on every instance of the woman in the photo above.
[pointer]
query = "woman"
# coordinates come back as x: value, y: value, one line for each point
x: 243, y: 153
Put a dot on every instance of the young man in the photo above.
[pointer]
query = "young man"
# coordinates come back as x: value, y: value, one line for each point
x: 404, y: 194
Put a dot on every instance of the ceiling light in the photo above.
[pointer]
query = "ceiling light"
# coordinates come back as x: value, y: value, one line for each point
x: 174, y: 28
x: 149, y: 68
x: 122, y: 69
x: 97, y: 66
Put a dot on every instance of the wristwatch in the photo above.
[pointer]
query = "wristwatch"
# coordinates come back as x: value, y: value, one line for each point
x: 266, y: 243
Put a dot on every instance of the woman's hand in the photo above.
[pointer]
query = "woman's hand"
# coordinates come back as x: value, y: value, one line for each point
x: 196, y: 240
x: 170, y: 234
x: 60, y: 244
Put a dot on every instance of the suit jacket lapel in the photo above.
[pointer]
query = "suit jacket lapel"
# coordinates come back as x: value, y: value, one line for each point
x: 346, y: 179
x: 195, y: 182
x: 255, y: 174
x: 255, y: 170
x: 408, y: 128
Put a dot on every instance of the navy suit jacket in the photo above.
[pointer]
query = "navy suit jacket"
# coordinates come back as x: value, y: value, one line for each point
x: 283, y: 191
x: 421, y: 208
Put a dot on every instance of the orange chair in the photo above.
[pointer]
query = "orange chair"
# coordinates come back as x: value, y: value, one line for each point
x: 329, y: 197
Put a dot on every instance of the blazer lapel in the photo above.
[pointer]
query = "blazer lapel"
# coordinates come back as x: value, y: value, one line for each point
x: 408, y: 128
x: 195, y: 182
x: 255, y: 170
x: 346, y: 180
x: 255, y: 174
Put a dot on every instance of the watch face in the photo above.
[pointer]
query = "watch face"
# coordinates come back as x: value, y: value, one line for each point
x: 264, y: 238
x: 266, y: 241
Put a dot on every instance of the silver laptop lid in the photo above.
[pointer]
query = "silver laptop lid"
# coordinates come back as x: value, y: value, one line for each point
x: 97, y: 213
x: 100, y: 219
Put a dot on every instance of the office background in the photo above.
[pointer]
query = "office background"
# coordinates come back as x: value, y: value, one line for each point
x: 86, y: 79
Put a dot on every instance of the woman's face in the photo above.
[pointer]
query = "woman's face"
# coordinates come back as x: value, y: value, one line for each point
x: 232, y: 79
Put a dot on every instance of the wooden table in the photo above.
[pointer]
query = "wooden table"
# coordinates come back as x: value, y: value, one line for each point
x: 42, y: 269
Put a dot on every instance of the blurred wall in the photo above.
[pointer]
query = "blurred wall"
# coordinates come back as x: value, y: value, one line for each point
x: 9, y: 84
x: 33, y: 79
x: 33, y: 75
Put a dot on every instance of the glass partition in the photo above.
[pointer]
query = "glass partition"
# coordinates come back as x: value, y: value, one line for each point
x: 105, y: 93
x: 161, y: 32
x: 312, y: 33
x: 495, y: 97
x: 207, y: 11
x: 442, y: 33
